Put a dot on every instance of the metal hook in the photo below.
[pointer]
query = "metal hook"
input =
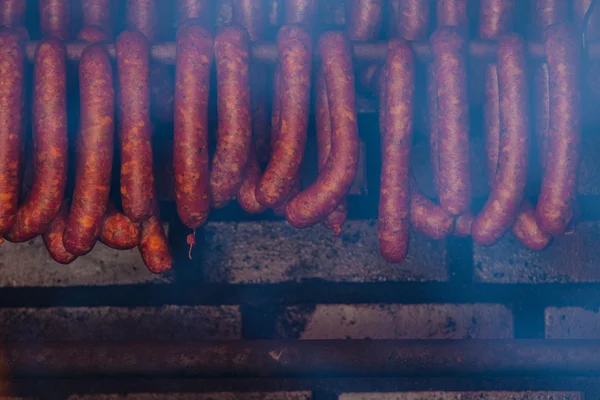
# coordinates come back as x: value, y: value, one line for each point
x: 584, y: 24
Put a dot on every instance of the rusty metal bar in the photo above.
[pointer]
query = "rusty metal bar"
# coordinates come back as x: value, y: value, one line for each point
x: 318, y: 358
x: 366, y: 52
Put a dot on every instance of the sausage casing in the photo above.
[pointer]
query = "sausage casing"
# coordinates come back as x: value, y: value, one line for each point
x: 336, y: 219
x: 323, y: 196
x: 154, y: 245
x: 50, y: 143
x: 365, y: 19
x: 454, y: 183
x: 299, y: 12
x: 53, y: 237
x: 251, y: 15
x: 502, y: 206
x: 247, y: 193
x: 396, y: 142
x: 94, y: 151
x: 11, y: 128
x: 135, y: 131
x: 118, y: 231
x: 234, y: 134
x: 527, y: 231
x: 190, y: 152
x: 92, y: 34
x: 188, y: 9
x: 295, y: 49
x: 453, y: 13
x: 546, y: 13
x: 413, y: 19
x: 12, y: 12
x: 496, y: 18
x: 55, y: 18
x: 97, y: 13
x: 142, y: 17
x: 558, y: 193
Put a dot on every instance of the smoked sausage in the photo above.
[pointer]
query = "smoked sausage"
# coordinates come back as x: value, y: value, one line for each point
x: 135, y: 131
x: 94, y: 151
x: 546, y: 13
x: 299, y: 12
x: 11, y: 128
x: 97, y: 13
x: 295, y: 51
x: 247, y: 193
x: 502, y: 206
x: 188, y: 9
x: 118, y: 231
x: 55, y: 18
x: 453, y: 13
x: 336, y: 219
x: 323, y: 196
x: 413, y: 19
x: 142, y: 17
x: 491, y: 128
x: 154, y: 245
x: 463, y: 225
x: 396, y: 142
x: 251, y: 15
x: 92, y: 34
x: 12, y: 13
x: 449, y: 64
x: 427, y: 217
x: 190, y: 151
x: 234, y: 134
x: 365, y: 19
x: 527, y: 230
x: 558, y: 193
x: 50, y: 143
x: 53, y: 237
x: 496, y: 18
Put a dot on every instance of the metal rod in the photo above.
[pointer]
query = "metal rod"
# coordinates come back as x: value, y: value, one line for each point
x: 311, y: 358
x: 367, y: 52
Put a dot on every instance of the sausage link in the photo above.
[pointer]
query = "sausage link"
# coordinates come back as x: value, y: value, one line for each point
x: 555, y: 206
x: 55, y: 18
x: 434, y: 135
x: 510, y: 178
x: 496, y: 18
x: 190, y: 152
x: 527, y: 230
x: 118, y: 231
x: 463, y: 224
x: 299, y: 12
x: 93, y: 34
x: 427, y: 217
x: 453, y: 13
x: 94, y: 151
x: 546, y: 13
x: 413, y: 19
x: 234, y: 135
x: 137, y: 179
x: 247, y: 193
x: 251, y: 15
x: 365, y: 19
x: 12, y: 12
x: 154, y: 245
x: 453, y: 120
x: 492, y: 122
x: 141, y: 16
x: 396, y: 142
x: 192, y: 9
x: 295, y: 48
x: 336, y: 219
x: 98, y: 13
x: 323, y: 196
x: 50, y: 143
x: 53, y: 237
x: 11, y: 129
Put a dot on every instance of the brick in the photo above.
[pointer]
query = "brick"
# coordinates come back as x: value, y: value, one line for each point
x: 589, y: 173
x: 463, y: 396
x: 29, y: 264
x: 271, y: 252
x: 572, y: 323
x: 120, y: 323
x: 396, y: 321
x: 301, y: 395
x: 571, y: 258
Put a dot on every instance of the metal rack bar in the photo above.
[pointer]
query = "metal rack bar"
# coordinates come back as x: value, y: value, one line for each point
x: 266, y: 52
x: 312, y: 358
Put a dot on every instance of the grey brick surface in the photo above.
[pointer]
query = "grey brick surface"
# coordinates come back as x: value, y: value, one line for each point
x: 570, y: 258
x: 271, y: 252
x: 463, y: 396
x: 302, y: 395
x: 572, y: 323
x: 120, y: 323
x: 396, y: 321
x: 29, y: 264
